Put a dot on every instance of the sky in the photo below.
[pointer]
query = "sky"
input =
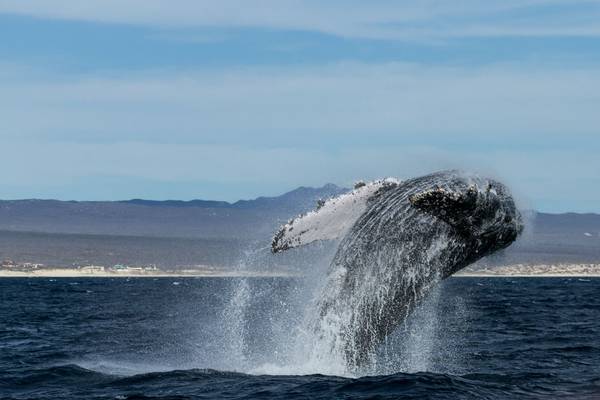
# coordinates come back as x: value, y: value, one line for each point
x: 228, y: 100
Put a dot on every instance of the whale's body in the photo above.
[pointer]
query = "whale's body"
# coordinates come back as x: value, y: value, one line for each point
x: 398, y: 240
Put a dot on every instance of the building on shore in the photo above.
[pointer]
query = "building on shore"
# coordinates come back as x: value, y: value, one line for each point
x: 90, y: 269
x: 27, y: 266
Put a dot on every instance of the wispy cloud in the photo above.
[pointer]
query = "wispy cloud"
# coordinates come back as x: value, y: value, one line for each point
x: 239, y: 120
x: 270, y: 129
x: 261, y: 106
x: 419, y: 20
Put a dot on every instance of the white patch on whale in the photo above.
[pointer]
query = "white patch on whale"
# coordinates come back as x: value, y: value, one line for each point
x: 332, y: 220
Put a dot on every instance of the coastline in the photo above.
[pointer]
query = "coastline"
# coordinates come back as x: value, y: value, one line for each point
x: 542, y: 275
x: 72, y: 273
x: 560, y: 270
x: 65, y: 273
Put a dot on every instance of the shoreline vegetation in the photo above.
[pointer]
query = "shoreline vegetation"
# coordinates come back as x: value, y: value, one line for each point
x: 520, y: 270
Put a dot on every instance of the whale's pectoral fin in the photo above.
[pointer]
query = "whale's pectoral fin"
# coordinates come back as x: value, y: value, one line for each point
x: 457, y: 208
x: 331, y: 220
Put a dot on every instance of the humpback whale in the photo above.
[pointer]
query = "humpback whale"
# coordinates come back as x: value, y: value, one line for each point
x: 396, y: 241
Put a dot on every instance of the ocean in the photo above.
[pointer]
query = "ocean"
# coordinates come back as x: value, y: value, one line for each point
x: 233, y: 338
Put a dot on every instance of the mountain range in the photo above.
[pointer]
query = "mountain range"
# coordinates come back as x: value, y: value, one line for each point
x: 206, y: 219
x: 174, y: 232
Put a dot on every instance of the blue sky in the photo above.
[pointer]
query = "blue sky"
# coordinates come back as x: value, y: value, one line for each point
x: 236, y: 99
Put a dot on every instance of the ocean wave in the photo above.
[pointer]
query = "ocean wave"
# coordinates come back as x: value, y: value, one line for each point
x: 75, y: 381
x: 534, y: 339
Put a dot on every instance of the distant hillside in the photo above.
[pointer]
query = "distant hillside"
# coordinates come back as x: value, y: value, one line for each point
x: 298, y: 199
x: 552, y: 238
x: 572, y: 223
x: 170, y: 218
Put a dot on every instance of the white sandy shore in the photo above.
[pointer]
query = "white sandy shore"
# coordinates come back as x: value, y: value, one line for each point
x: 537, y: 270
x: 74, y: 273
x: 482, y: 275
x: 514, y: 271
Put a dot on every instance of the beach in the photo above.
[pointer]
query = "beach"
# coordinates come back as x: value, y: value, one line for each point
x: 535, y: 270
x: 518, y: 270
x: 75, y: 273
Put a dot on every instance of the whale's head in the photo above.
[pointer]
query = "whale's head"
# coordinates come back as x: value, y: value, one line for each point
x: 480, y: 210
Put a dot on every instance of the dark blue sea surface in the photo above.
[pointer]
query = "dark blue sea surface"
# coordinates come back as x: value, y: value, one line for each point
x: 174, y: 338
